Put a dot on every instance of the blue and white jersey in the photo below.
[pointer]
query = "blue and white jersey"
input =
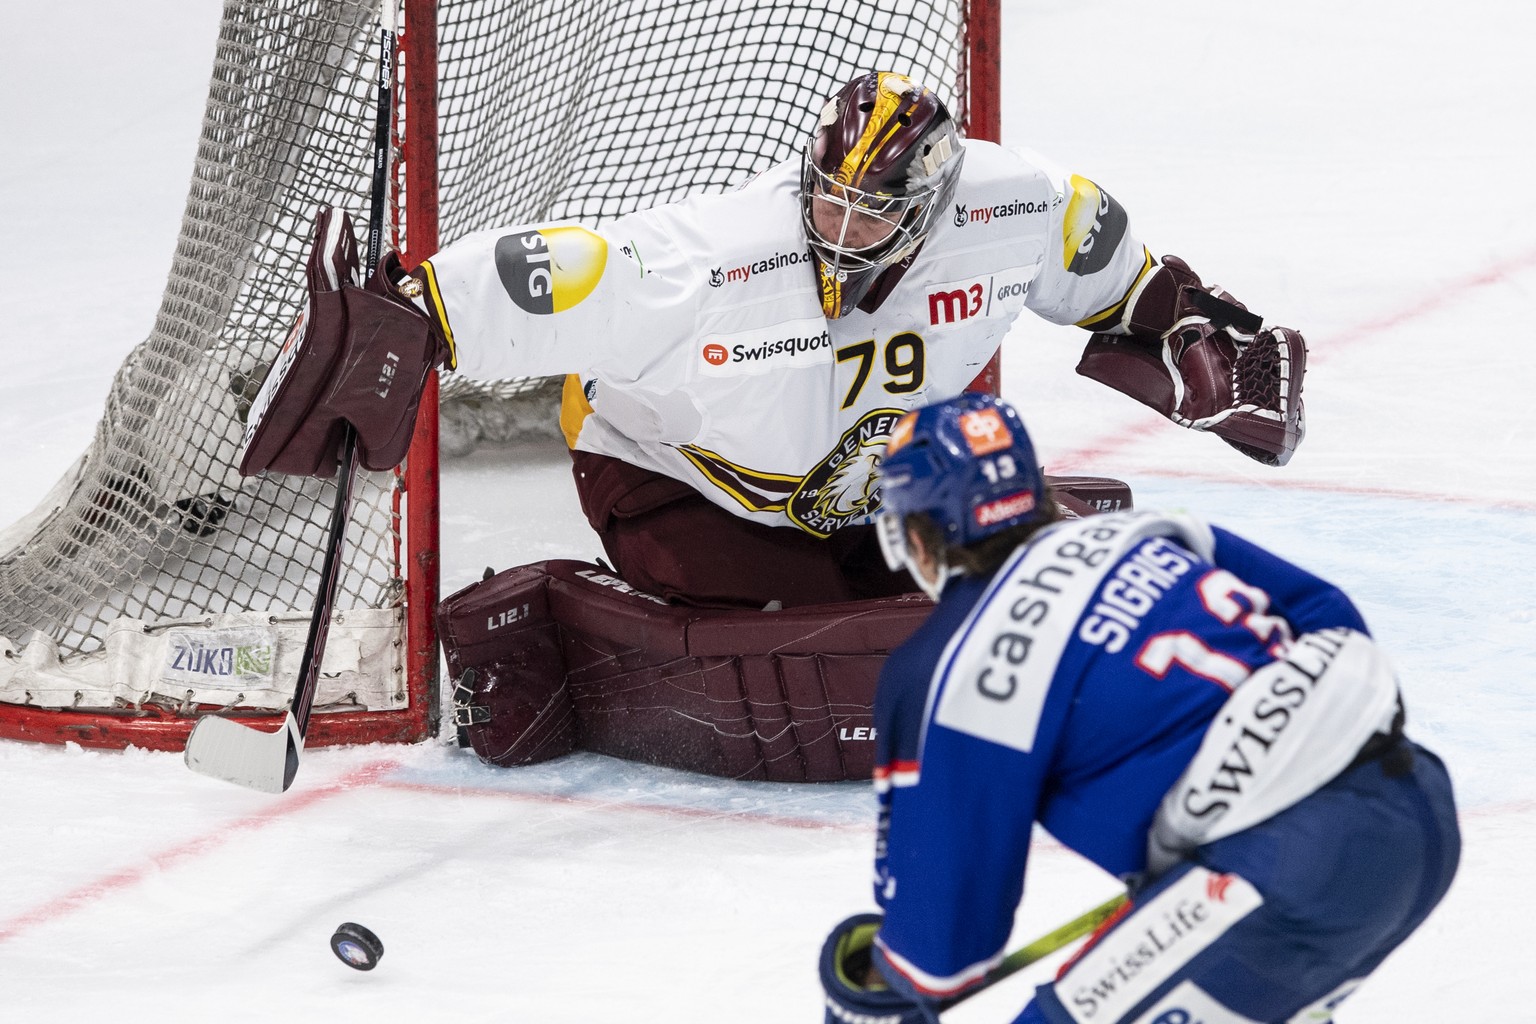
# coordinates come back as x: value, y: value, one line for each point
x: 1072, y: 688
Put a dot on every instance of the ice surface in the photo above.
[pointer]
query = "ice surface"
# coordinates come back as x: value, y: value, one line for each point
x: 1359, y: 171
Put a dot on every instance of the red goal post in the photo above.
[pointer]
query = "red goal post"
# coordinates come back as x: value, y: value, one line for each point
x: 152, y: 584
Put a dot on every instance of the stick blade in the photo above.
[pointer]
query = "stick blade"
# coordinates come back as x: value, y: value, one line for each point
x: 222, y: 748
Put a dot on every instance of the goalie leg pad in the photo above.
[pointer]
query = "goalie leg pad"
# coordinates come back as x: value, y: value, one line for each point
x: 1080, y: 496
x: 504, y: 654
x: 594, y: 664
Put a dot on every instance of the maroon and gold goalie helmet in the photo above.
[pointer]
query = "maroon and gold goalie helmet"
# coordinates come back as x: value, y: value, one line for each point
x: 880, y: 166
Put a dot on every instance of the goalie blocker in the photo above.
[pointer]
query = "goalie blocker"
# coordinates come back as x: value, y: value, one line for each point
x: 1201, y: 359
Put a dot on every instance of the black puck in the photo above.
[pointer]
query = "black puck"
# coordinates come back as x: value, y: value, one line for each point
x: 357, y: 947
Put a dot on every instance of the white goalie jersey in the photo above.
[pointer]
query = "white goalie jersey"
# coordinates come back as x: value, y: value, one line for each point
x: 695, y: 345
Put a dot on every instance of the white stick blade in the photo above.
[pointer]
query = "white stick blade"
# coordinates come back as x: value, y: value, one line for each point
x: 224, y: 749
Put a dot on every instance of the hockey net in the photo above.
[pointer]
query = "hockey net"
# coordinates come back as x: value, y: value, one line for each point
x: 153, y: 583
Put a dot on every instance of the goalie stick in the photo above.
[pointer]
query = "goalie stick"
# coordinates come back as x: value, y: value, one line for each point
x: 221, y: 747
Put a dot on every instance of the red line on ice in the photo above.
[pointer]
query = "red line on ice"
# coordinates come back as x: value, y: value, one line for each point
x: 106, y: 885
x: 1444, y: 295
x: 1513, y: 504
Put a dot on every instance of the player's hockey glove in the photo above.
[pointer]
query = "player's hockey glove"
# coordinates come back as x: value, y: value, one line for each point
x: 1198, y: 356
x: 845, y: 973
x: 359, y: 354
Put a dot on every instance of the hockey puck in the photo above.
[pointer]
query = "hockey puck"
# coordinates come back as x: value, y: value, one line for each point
x: 357, y: 947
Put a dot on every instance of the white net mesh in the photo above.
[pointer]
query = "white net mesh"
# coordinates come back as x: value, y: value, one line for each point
x: 588, y: 110
x: 548, y: 109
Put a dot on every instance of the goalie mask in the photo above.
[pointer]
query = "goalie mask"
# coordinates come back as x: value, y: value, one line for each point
x: 967, y: 464
x: 881, y: 164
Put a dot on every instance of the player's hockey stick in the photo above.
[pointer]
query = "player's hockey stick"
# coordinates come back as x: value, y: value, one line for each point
x: 221, y: 747
x: 1044, y: 946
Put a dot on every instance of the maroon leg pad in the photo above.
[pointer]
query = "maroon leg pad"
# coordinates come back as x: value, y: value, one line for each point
x: 505, y: 651
x: 1085, y: 495
x: 781, y: 696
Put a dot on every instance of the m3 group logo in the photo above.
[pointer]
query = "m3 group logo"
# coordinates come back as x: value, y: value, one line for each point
x: 957, y: 301
x: 551, y: 269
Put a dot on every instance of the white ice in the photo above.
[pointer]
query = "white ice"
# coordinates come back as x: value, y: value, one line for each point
x: 1360, y: 171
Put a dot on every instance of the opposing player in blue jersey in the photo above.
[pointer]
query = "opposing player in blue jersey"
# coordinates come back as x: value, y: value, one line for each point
x: 1176, y: 704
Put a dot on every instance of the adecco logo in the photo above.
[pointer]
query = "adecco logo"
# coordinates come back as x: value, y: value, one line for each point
x: 715, y: 354
x: 552, y: 269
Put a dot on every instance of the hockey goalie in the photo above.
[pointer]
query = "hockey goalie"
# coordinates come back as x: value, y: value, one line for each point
x: 734, y: 365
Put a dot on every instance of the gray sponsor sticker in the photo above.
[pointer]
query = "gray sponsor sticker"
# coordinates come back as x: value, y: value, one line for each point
x: 240, y: 656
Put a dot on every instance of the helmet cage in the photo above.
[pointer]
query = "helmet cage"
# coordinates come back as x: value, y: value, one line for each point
x: 906, y: 218
x: 882, y: 162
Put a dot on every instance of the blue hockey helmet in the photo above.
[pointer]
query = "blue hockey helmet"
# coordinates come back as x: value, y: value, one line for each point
x: 968, y: 463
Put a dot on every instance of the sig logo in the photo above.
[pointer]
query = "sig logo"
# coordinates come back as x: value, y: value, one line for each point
x: 715, y: 354
x: 552, y: 269
x: 1094, y: 226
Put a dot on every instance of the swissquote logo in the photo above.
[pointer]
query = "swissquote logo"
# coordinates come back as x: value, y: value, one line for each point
x: 1002, y: 293
x: 720, y: 276
x: 786, y: 346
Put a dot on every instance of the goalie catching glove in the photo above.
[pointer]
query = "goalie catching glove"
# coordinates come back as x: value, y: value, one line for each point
x: 359, y: 355
x: 856, y: 993
x: 1201, y: 359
